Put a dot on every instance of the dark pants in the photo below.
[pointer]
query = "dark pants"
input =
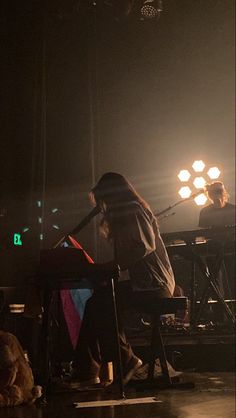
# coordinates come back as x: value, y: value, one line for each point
x: 97, y: 339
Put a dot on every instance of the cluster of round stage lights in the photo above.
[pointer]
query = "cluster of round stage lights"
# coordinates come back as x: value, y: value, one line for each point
x: 151, y: 9
x: 199, y: 181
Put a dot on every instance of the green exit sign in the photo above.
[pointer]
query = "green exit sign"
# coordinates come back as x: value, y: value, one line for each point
x: 17, y: 239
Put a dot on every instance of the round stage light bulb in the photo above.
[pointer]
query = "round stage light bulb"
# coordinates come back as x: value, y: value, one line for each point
x: 185, y: 192
x: 199, y: 182
x: 184, y: 175
x: 213, y: 173
x: 200, y: 199
x: 149, y: 12
x: 198, y: 166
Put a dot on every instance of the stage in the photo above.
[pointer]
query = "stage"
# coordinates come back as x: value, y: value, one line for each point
x: 212, y: 397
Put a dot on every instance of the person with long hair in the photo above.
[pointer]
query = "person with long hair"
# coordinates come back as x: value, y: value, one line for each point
x: 129, y: 224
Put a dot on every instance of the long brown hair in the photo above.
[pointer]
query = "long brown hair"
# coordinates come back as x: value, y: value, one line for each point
x: 115, y: 190
x: 117, y: 193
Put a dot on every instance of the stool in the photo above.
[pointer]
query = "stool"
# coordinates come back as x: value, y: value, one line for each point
x: 156, y: 308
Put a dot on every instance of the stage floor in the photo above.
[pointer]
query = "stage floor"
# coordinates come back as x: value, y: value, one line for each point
x: 212, y: 397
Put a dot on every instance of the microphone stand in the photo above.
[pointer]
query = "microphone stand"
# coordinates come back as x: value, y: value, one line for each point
x: 157, y: 214
x: 79, y: 227
x: 166, y: 216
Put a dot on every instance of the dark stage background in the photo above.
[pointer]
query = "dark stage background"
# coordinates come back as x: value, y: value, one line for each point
x: 83, y: 94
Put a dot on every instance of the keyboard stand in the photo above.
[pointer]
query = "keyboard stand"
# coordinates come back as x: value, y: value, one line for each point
x: 211, y: 285
x: 45, y: 357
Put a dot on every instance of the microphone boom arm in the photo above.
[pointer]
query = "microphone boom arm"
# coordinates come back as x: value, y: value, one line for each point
x: 179, y: 202
x: 80, y: 226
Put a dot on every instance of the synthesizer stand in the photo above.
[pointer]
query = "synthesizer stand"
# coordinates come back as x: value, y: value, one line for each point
x: 211, y: 285
x: 188, y: 249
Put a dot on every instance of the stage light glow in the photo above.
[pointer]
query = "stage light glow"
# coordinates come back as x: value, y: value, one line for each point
x: 151, y: 9
x: 199, y: 182
x: 198, y: 166
x: 184, y: 175
x: 200, y: 200
x: 213, y: 173
x: 185, y: 192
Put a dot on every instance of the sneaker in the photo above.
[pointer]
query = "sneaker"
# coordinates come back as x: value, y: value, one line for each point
x: 129, y: 374
x: 142, y: 372
x: 83, y: 384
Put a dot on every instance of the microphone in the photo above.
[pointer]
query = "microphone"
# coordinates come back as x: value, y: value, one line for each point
x: 86, y: 220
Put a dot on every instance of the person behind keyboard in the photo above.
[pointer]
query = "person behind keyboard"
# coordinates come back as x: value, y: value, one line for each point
x: 220, y: 212
x: 130, y: 225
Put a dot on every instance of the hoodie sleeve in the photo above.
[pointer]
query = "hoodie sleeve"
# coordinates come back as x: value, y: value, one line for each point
x: 135, y: 238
